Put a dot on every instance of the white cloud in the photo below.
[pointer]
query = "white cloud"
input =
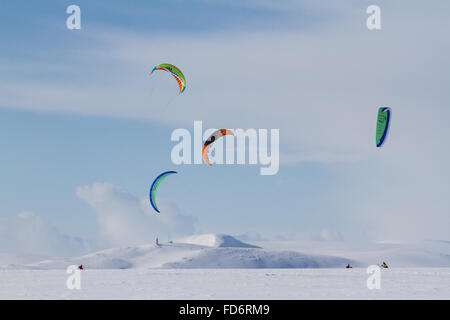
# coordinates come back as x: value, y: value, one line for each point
x: 123, y: 219
x: 28, y: 233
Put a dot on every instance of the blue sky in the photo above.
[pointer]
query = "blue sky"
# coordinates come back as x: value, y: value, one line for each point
x: 49, y: 155
x: 78, y: 109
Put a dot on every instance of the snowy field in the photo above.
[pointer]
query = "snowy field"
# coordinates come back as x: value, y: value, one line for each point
x: 407, y: 283
x: 222, y: 267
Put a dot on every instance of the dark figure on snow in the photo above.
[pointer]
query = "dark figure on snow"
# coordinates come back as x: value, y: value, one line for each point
x: 80, y: 267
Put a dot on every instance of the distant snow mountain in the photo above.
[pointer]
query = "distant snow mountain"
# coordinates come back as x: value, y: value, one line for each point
x: 430, y: 253
x: 224, y: 251
x: 203, y: 251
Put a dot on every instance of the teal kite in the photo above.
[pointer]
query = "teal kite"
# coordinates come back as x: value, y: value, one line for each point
x: 155, y: 185
x: 383, y: 123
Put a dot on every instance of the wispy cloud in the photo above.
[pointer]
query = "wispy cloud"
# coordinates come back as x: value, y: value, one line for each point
x: 321, y: 157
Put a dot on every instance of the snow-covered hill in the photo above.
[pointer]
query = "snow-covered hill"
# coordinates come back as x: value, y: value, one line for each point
x: 206, y: 251
x: 432, y: 253
x: 224, y: 251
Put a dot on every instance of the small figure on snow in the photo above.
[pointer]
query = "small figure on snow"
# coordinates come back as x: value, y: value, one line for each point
x: 384, y: 265
x: 349, y: 266
x: 80, y: 267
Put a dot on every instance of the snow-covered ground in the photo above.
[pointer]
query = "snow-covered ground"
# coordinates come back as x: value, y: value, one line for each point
x: 405, y: 283
x: 222, y: 267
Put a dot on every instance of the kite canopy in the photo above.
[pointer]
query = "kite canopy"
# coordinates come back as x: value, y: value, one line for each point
x: 155, y: 185
x: 216, y: 135
x: 383, y: 123
x: 175, y: 72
